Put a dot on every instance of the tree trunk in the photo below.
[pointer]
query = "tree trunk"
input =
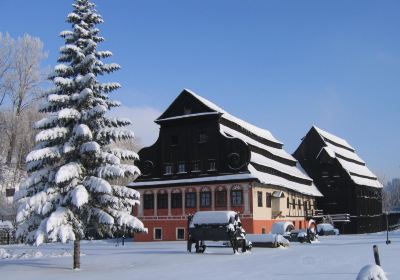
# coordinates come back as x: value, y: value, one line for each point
x: 77, y: 253
x: 11, y: 148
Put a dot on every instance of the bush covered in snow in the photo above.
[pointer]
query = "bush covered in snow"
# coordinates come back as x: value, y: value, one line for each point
x: 371, y: 272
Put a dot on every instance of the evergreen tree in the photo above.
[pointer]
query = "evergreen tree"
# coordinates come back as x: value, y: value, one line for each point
x: 69, y: 192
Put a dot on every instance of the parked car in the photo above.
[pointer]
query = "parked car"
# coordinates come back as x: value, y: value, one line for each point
x: 282, y: 228
x: 327, y: 229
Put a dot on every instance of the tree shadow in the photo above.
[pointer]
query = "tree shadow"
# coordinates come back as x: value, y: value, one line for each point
x: 33, y: 263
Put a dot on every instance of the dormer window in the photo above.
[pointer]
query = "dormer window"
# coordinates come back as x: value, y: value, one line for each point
x: 203, y: 137
x: 212, y: 165
x: 168, y: 169
x: 174, y: 140
x: 187, y: 110
x: 181, y: 167
x: 196, y: 166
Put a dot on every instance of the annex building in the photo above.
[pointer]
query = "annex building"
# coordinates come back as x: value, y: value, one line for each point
x: 347, y: 185
x: 207, y: 159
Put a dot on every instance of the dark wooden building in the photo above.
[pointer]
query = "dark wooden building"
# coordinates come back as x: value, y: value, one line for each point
x: 207, y: 159
x: 347, y: 185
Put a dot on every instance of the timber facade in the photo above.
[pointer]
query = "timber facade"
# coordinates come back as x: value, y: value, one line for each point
x: 207, y: 159
x: 347, y: 185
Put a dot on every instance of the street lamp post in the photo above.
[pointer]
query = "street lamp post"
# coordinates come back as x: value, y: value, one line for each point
x: 387, y: 228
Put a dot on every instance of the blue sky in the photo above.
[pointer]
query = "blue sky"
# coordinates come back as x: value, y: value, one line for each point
x: 282, y: 65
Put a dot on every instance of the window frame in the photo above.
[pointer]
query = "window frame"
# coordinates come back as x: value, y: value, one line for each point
x: 192, y: 199
x: 212, y: 165
x: 196, y: 166
x: 174, y: 204
x: 218, y: 195
x: 147, y: 200
x: 162, y: 197
x: 154, y: 233
x: 204, y: 197
x: 260, y: 199
x: 181, y: 170
x: 234, y: 197
x: 268, y: 200
x: 177, y: 235
x: 168, y: 169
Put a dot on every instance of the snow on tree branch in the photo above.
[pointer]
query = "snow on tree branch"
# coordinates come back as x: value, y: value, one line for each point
x: 69, y: 189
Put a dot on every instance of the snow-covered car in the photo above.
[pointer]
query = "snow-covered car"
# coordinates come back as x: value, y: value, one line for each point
x: 282, y: 228
x: 327, y: 229
x: 303, y: 235
x: 268, y: 240
x: 216, y: 226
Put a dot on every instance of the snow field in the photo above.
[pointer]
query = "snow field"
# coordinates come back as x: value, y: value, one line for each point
x: 334, y: 257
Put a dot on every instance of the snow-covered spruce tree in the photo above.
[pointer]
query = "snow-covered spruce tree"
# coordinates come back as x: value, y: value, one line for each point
x: 69, y: 192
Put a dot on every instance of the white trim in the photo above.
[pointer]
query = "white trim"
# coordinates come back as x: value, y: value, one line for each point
x: 188, y: 116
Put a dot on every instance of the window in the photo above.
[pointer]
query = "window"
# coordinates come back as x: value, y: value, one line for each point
x: 212, y: 165
x: 191, y: 200
x: 196, y: 166
x: 148, y: 201
x: 174, y: 141
x: 181, y: 167
x: 176, y: 200
x: 293, y: 203
x: 187, y: 110
x: 10, y: 192
x: 305, y: 205
x: 162, y: 201
x: 168, y: 169
x: 220, y: 198
x: 205, y: 199
x: 263, y: 230
x: 299, y: 204
x: 203, y: 137
x: 260, y: 199
x: 237, y: 197
x: 157, y: 233
x: 268, y: 200
x: 180, y: 234
x: 288, y: 203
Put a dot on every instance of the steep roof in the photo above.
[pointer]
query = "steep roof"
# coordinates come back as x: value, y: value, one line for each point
x: 338, y: 148
x: 270, y: 164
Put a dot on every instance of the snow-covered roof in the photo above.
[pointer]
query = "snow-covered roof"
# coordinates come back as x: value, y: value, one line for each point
x: 349, y: 160
x: 275, y: 151
x: 333, y: 138
x: 281, y: 182
x: 263, y: 133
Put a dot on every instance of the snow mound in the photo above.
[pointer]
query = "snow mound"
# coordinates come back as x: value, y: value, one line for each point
x: 371, y: 272
x: 277, y: 239
x: 31, y: 254
x: 4, y: 254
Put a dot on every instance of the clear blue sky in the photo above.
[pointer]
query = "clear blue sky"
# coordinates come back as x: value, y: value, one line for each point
x: 282, y: 65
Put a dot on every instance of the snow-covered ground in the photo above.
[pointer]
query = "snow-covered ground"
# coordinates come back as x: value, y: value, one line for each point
x: 334, y: 257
